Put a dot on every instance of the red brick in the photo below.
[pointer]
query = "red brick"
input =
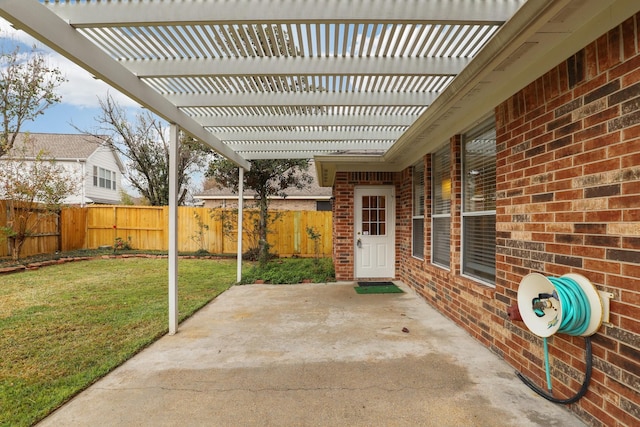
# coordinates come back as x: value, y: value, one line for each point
x: 602, y: 166
x: 614, y: 41
x: 630, y: 187
x: 602, y: 117
x: 625, y: 149
x: 632, y: 78
x: 588, y: 88
x: 626, y: 67
x: 624, y: 202
x: 631, y: 215
x: 602, y: 266
x: 629, y: 44
x: 591, y: 64
x: 624, y: 282
x: 632, y: 132
x: 602, y: 44
x: 603, y: 216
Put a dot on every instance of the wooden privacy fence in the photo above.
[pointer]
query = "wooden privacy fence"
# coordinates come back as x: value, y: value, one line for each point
x: 62, y: 232
x: 213, y: 230
x: 146, y: 228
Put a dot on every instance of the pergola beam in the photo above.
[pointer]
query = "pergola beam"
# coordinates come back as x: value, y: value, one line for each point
x: 316, y: 99
x: 305, y: 154
x: 118, y: 13
x: 308, y: 120
x: 306, y: 135
x: 296, y: 66
x: 263, y: 146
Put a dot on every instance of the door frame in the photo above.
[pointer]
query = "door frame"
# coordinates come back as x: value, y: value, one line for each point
x: 391, y: 228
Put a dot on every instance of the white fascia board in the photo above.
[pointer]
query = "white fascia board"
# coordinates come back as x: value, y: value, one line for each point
x: 116, y: 13
x: 295, y: 66
x: 311, y: 135
x: 308, y: 120
x: 41, y: 23
x: 316, y: 99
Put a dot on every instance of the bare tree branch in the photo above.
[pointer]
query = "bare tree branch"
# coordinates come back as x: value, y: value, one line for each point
x: 144, y: 146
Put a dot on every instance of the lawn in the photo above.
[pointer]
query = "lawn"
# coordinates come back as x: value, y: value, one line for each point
x: 62, y: 327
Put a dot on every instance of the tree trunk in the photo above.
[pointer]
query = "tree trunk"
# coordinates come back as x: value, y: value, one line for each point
x: 16, y: 247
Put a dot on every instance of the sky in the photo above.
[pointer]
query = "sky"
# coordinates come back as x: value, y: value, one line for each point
x: 80, y: 93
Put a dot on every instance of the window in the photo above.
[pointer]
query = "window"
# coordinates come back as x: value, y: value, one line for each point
x: 323, y: 205
x: 418, y: 211
x: 479, y: 206
x: 104, y: 178
x: 441, y: 207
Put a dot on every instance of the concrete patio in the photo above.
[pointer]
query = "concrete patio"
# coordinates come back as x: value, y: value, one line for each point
x: 313, y: 355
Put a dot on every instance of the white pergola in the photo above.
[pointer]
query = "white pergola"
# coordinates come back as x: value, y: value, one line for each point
x: 359, y: 85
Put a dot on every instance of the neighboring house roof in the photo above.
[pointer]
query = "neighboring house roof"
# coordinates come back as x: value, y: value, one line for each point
x: 59, y: 146
x: 312, y: 192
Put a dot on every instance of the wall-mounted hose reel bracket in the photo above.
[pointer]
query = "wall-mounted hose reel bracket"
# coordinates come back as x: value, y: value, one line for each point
x: 569, y: 304
x: 542, y: 309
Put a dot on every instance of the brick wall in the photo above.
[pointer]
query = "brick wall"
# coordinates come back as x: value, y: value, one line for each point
x: 568, y: 200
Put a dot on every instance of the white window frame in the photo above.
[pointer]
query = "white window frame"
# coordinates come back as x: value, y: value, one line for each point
x: 434, y: 215
x: 475, y: 133
x: 417, y: 216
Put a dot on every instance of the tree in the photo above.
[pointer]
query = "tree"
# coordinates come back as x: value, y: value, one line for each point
x: 144, y: 144
x: 33, y: 187
x: 27, y: 89
x: 267, y: 178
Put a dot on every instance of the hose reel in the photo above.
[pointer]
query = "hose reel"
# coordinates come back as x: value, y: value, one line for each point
x: 569, y: 304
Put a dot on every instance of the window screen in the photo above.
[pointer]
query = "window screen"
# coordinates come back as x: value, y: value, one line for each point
x: 479, y: 206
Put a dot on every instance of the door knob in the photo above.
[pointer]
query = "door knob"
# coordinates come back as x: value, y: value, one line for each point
x: 359, y: 243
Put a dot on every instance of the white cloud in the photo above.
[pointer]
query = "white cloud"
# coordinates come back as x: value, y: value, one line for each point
x: 82, y: 89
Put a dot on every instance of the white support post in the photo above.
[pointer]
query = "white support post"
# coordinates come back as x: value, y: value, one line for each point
x: 240, y: 230
x: 173, y: 228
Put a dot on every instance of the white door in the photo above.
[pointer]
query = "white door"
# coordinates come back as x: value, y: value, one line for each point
x: 374, y: 239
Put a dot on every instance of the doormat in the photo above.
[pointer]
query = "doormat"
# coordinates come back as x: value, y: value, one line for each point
x: 378, y: 289
x: 375, y: 284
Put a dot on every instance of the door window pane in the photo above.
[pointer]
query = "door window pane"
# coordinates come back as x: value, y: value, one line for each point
x: 373, y: 215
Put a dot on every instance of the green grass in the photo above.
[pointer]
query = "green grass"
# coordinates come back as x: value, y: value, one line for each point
x: 292, y: 270
x: 62, y: 327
